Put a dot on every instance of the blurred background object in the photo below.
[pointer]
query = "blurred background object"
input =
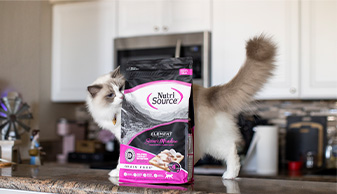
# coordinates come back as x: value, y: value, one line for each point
x: 15, y: 119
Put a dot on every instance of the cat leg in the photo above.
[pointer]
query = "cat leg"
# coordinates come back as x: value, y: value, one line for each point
x: 233, y: 163
x: 218, y: 137
x: 115, y: 172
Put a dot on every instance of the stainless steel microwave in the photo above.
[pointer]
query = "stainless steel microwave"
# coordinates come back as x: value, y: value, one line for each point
x: 195, y: 45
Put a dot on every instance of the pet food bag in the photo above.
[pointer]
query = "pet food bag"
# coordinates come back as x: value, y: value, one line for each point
x: 157, y: 122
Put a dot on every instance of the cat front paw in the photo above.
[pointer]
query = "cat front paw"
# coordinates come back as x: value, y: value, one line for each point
x: 114, y: 173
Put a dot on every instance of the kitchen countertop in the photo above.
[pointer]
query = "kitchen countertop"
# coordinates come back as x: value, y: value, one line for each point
x: 58, y: 179
x: 301, y: 175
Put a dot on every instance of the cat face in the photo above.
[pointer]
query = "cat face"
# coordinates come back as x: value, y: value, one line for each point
x: 108, y: 89
x: 105, y: 98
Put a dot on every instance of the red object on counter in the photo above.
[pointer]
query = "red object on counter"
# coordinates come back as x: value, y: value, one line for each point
x: 295, y: 173
x: 294, y: 165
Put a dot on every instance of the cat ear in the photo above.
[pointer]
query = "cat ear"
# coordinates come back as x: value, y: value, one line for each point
x: 94, y: 89
x: 116, y: 72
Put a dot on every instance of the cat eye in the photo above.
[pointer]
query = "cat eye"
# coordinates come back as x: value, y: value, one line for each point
x: 110, y: 95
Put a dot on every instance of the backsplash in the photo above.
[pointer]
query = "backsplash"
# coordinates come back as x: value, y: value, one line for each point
x: 276, y: 112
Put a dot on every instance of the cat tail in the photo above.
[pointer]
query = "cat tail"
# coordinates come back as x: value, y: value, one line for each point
x: 255, y: 72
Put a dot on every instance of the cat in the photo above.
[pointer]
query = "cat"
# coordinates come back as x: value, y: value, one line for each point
x: 215, y: 108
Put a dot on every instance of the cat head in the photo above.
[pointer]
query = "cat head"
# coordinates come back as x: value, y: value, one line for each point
x: 105, y: 97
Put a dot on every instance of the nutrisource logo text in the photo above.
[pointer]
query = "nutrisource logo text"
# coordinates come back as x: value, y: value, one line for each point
x: 154, y: 100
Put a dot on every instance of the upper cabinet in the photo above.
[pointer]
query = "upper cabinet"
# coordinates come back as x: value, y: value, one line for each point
x: 305, y: 34
x: 150, y: 17
x: 234, y: 22
x: 319, y: 49
x: 82, y: 48
x: 139, y: 17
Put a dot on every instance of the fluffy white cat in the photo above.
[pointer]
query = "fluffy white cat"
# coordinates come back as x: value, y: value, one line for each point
x: 216, y: 132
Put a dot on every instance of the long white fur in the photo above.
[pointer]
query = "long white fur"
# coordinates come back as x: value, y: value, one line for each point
x: 104, y: 113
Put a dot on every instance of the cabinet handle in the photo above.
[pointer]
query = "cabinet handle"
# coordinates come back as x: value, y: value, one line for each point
x: 292, y: 90
x: 156, y: 28
x: 165, y: 28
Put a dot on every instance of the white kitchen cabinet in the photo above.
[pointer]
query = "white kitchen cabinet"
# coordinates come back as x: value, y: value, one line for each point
x: 234, y: 22
x: 82, y: 48
x: 319, y: 49
x: 139, y: 17
x: 187, y: 16
x: 150, y: 17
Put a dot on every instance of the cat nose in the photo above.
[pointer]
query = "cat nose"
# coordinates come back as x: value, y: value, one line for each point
x: 122, y: 97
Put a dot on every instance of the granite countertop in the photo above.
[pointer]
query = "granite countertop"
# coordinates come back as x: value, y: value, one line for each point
x: 283, y: 174
x: 56, y: 179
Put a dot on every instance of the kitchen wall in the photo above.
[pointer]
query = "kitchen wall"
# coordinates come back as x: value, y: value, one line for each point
x: 25, y: 63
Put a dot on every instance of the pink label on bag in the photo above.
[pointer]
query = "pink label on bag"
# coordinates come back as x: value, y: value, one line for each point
x: 185, y: 71
x: 135, y: 167
x: 152, y: 186
x: 154, y: 176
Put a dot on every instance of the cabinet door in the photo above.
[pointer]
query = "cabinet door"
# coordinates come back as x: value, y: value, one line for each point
x: 187, y: 16
x: 139, y: 17
x: 234, y: 22
x: 319, y: 49
x: 82, y: 47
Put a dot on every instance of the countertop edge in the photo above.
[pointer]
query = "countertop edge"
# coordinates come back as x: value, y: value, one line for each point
x: 54, y: 186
